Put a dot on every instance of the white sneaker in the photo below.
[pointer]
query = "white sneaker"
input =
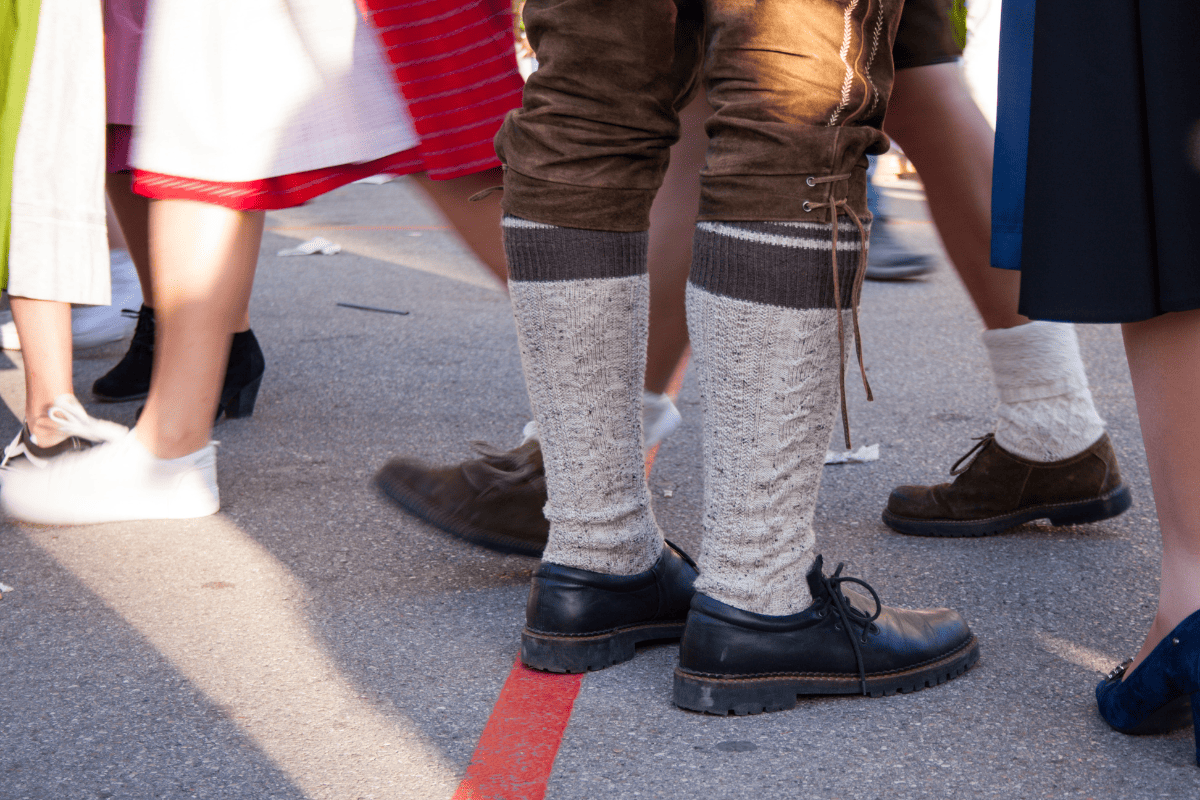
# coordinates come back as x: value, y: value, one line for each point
x: 113, y: 482
x: 69, y: 416
x: 660, y: 418
x: 92, y: 326
x: 8, y: 333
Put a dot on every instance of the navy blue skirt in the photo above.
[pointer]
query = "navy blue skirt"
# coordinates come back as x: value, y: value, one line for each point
x: 1101, y: 210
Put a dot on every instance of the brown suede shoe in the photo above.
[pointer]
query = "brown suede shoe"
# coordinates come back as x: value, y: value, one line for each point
x: 494, y: 501
x: 999, y: 490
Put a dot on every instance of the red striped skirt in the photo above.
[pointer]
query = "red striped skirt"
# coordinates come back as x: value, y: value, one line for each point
x: 455, y: 66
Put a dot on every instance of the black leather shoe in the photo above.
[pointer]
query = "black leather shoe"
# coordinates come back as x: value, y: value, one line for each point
x: 734, y: 661
x: 578, y: 620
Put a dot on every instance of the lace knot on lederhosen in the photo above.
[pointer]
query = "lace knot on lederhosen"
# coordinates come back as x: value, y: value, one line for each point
x: 837, y: 208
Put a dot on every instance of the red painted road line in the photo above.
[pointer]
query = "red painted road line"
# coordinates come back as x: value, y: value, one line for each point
x: 516, y: 751
x: 520, y: 741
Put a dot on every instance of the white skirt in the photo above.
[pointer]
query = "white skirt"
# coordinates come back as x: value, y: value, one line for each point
x: 58, y: 248
x: 242, y: 90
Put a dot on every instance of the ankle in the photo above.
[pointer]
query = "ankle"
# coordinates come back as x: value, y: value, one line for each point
x: 44, y: 431
x: 166, y: 442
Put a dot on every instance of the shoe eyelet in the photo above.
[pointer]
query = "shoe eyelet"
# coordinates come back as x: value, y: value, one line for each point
x: 811, y: 181
x: 837, y: 626
x: 1174, y: 641
x: 807, y: 206
x: 821, y: 614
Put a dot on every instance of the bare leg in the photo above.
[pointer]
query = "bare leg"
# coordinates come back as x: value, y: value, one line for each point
x: 1164, y: 360
x: 672, y: 225
x: 932, y: 116
x: 133, y: 215
x: 203, y: 261
x: 44, y: 327
x: 478, y: 223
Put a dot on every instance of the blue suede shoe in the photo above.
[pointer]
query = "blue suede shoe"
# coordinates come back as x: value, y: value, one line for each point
x: 1156, y: 696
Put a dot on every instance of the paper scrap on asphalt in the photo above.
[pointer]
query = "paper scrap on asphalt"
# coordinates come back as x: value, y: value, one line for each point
x: 376, y: 180
x: 860, y: 456
x: 4, y: 587
x: 317, y: 246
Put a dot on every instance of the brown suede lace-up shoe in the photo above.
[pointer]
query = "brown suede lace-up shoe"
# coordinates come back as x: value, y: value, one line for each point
x: 494, y: 501
x: 1000, y: 490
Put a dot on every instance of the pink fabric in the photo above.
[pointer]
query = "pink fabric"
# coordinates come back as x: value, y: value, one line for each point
x: 123, y: 20
x: 118, y: 141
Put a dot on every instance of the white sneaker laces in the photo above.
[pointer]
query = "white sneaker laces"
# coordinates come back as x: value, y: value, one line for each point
x: 70, y: 418
x: 73, y: 420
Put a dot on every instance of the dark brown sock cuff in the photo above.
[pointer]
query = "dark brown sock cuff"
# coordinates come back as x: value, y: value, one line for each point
x: 774, y: 263
x: 540, y: 252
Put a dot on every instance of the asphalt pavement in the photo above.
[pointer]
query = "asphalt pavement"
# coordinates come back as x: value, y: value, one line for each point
x: 310, y: 641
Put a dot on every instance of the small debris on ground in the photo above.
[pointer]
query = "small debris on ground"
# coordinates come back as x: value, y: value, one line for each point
x: 860, y: 456
x: 315, y: 246
x: 356, y: 306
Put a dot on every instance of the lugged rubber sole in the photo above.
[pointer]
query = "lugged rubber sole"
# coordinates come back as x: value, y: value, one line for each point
x: 755, y: 694
x: 417, y: 506
x: 558, y: 653
x: 1106, y: 506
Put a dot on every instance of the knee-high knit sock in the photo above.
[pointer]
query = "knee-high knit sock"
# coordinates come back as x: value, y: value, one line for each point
x: 763, y: 324
x: 582, y: 302
x: 1046, y: 411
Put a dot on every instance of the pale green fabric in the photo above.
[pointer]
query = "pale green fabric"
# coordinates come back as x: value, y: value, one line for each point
x: 18, y: 34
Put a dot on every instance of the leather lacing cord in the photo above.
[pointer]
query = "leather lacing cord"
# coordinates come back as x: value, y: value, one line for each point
x: 980, y: 442
x: 488, y: 191
x: 851, y: 615
x: 838, y: 207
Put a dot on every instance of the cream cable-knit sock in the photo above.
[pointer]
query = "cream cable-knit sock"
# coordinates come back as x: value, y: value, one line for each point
x: 1046, y: 411
x: 582, y: 302
x: 764, y: 343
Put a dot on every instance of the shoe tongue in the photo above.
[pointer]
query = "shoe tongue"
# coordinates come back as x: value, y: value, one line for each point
x: 816, y: 586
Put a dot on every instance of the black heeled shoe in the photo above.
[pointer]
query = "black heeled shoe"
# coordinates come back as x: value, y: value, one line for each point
x: 243, y: 376
x: 1155, y: 697
x: 129, y: 379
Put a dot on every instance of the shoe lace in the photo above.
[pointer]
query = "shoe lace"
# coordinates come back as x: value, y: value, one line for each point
x: 980, y: 443
x: 500, y: 470
x: 15, y: 448
x: 850, y: 615
x: 72, y: 420
x: 838, y: 207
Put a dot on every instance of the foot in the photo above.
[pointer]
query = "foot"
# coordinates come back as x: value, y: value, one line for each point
x: 67, y: 428
x: 1162, y: 693
x: 112, y: 482
x: 578, y: 620
x: 129, y: 379
x: 889, y: 260
x: 737, y: 662
x: 494, y: 501
x: 999, y: 490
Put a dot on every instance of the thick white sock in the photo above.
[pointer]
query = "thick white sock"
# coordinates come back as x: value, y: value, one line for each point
x: 763, y: 326
x: 1046, y: 411
x: 582, y: 302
